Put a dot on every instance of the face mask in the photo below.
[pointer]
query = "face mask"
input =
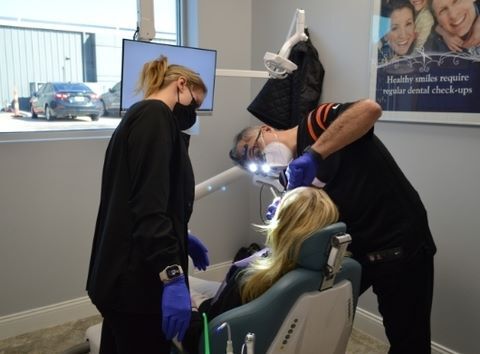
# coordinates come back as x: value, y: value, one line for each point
x: 186, y: 115
x: 277, y: 154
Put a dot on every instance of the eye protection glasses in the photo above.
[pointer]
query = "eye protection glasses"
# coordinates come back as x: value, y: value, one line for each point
x: 194, y: 102
x: 249, y: 153
x: 254, y: 152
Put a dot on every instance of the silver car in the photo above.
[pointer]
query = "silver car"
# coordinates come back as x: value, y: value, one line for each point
x: 111, y: 101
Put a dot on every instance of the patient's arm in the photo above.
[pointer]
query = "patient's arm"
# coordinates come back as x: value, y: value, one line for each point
x: 201, y: 290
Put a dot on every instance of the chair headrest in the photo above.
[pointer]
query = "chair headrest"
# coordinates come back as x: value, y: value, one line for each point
x: 314, y: 250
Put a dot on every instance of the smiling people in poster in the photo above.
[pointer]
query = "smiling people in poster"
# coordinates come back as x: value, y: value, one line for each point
x: 423, y: 21
x: 458, y: 28
x: 400, y: 39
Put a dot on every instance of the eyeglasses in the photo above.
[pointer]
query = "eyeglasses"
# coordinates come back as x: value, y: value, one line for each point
x: 194, y: 101
x: 248, y: 153
x: 253, y: 152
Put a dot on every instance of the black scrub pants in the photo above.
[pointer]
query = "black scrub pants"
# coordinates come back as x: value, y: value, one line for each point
x: 127, y: 333
x: 404, y: 292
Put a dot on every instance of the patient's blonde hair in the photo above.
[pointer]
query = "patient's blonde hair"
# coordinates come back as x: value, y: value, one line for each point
x: 157, y: 74
x: 301, y: 212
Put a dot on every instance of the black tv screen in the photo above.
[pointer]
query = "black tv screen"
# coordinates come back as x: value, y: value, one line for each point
x: 137, y: 53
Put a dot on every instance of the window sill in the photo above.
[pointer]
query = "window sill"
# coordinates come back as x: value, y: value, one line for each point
x: 26, y: 129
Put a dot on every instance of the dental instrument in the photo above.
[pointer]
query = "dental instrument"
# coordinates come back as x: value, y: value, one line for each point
x: 250, y: 343
x: 229, y: 348
x: 278, y: 65
x: 206, y: 336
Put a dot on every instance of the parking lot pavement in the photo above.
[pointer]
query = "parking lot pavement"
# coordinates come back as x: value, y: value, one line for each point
x: 24, y: 123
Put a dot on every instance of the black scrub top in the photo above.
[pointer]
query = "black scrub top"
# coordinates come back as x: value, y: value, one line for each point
x: 146, y: 201
x: 380, y: 207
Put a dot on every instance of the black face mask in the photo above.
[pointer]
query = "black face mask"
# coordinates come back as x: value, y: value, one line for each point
x: 186, y: 115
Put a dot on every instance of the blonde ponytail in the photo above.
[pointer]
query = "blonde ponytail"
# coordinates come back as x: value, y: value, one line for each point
x: 157, y: 74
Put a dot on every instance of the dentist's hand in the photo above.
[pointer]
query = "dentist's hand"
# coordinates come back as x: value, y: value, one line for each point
x: 176, y: 308
x: 272, y: 208
x: 198, y: 252
x: 302, y: 170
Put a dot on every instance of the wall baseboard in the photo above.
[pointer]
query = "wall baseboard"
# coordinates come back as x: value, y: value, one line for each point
x: 46, y: 316
x: 75, y: 309
x: 372, y: 325
x: 72, y: 310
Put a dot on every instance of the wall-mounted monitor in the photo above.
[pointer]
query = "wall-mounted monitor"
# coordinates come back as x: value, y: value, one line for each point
x: 137, y: 53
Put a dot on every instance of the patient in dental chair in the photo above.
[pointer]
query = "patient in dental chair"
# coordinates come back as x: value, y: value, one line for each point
x: 301, y: 212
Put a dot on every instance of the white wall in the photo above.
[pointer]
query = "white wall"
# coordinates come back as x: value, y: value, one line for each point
x: 441, y: 161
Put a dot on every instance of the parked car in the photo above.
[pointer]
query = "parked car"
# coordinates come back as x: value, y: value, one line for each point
x: 65, y: 100
x: 111, y: 101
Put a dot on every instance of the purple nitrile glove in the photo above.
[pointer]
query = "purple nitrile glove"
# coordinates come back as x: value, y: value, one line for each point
x: 198, y: 252
x: 272, y: 208
x: 302, y: 171
x: 176, y: 308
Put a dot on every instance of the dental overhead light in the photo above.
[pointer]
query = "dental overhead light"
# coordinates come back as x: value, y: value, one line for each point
x: 278, y: 65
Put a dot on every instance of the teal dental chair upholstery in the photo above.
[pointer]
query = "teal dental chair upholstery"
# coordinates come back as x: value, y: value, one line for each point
x: 301, y: 306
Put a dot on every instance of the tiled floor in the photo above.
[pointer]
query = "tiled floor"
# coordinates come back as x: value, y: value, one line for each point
x: 55, y: 340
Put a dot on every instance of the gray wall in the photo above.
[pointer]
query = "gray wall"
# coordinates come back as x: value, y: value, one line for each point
x: 49, y: 199
x: 221, y: 218
x: 441, y: 161
x: 49, y: 190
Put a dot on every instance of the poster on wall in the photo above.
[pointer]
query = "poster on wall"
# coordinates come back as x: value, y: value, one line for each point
x: 425, y: 62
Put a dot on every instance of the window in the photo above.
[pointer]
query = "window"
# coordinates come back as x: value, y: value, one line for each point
x: 58, y: 72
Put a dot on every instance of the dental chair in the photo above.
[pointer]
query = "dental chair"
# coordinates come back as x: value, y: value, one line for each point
x: 308, y: 310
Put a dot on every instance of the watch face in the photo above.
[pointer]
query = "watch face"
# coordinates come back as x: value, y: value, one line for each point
x: 173, y: 271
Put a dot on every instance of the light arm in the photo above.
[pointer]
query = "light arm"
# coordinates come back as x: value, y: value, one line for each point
x: 278, y: 65
x: 218, y: 182
x: 226, y: 177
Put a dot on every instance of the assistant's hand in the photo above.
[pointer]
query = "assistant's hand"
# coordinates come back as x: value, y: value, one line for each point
x: 176, y: 308
x: 198, y: 252
x: 302, y: 170
x: 272, y: 208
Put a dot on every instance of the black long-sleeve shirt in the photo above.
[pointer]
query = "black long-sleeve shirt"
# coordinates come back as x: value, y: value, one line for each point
x: 381, y: 208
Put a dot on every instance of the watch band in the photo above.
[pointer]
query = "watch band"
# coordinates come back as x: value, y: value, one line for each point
x: 170, y: 273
